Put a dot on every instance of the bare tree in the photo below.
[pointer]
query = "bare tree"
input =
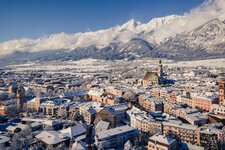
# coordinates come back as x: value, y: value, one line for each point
x: 22, y: 139
x: 2, y: 147
x: 222, y: 140
x: 62, y: 146
x: 212, y: 143
x: 130, y: 95
x: 12, y: 111
x: 49, y: 147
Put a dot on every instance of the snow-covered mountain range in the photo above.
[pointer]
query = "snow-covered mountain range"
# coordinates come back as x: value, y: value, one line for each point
x: 199, y: 33
x: 205, y: 41
x: 118, y: 34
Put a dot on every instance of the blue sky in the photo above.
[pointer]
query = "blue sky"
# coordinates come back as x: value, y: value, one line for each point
x: 36, y: 18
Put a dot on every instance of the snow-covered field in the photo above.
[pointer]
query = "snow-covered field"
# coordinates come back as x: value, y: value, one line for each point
x: 217, y: 63
x: 81, y: 66
x: 87, y: 66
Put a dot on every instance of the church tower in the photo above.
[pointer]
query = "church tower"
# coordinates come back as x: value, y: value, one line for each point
x: 20, y: 96
x: 222, y: 91
x: 160, y: 72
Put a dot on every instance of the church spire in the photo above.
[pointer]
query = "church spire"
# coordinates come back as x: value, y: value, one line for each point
x: 160, y: 68
x: 160, y: 72
x: 20, y: 96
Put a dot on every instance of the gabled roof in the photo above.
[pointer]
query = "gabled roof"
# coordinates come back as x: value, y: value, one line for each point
x: 189, y: 146
x: 91, y: 110
x: 79, y: 145
x: 9, y: 102
x: 11, y: 128
x: 119, y: 107
x: 115, y: 131
x: 74, y: 94
x: 50, y: 137
x: 4, y: 139
x: 151, y: 76
x: 163, y: 139
x: 95, y: 92
x: 102, y: 125
x: 110, y: 110
x: 181, y: 125
x: 52, y: 122
x: 74, y: 131
x: 15, y: 126
x: 3, y: 107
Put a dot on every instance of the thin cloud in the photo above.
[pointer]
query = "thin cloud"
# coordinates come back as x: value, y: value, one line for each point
x: 209, y: 10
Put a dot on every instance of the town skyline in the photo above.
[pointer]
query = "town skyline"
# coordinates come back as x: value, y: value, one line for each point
x: 112, y: 74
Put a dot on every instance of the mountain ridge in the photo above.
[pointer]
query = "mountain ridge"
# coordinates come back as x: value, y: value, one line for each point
x: 117, y: 34
x: 205, y: 41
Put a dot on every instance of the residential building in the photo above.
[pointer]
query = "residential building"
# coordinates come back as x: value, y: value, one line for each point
x: 106, y: 114
x: 89, y: 115
x: 138, y: 119
x: 102, y: 125
x: 204, y: 103
x: 85, y: 106
x: 114, y: 114
x: 115, y: 91
x: 185, y: 132
x: 150, y: 103
x: 34, y: 104
x: 116, y: 137
x: 95, y: 94
x: 218, y: 109
x: 208, y: 134
x: 193, y: 116
x: 162, y: 142
x: 186, y: 100
x: 4, y: 141
x: 52, y: 138
x: 79, y: 145
x: 74, y: 132
x: 3, y: 110
x: 170, y: 108
x: 50, y: 107
x: 222, y: 91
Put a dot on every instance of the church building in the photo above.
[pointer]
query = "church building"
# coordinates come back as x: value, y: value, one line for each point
x: 152, y: 78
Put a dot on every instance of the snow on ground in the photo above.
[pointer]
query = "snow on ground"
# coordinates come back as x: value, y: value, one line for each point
x: 70, y: 67
x: 218, y: 63
x: 89, y: 66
